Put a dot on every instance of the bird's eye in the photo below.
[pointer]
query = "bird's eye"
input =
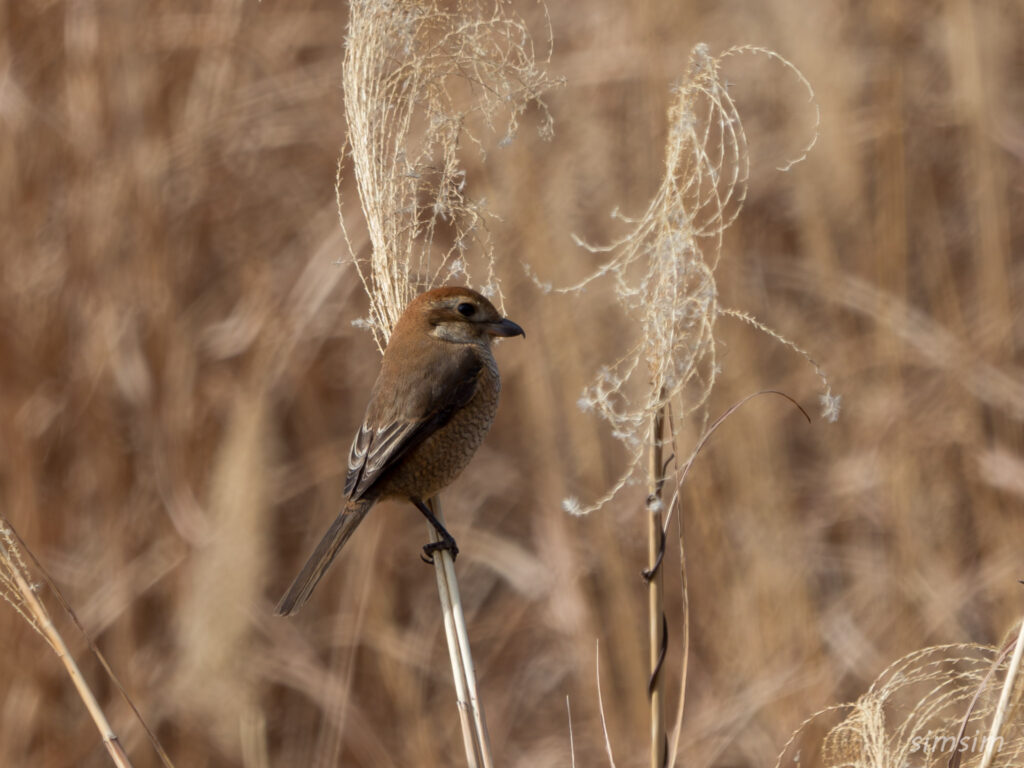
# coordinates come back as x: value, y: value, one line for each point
x: 466, y: 309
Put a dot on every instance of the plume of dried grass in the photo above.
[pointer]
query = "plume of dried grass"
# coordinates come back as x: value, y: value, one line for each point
x: 931, y: 708
x: 421, y: 79
x: 16, y: 589
x: 664, y: 269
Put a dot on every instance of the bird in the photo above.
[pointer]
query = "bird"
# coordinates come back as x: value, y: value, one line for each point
x: 432, y: 404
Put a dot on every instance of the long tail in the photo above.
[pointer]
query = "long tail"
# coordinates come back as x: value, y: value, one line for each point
x: 342, y: 527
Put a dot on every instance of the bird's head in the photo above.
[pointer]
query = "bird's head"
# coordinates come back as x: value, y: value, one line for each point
x: 460, y: 315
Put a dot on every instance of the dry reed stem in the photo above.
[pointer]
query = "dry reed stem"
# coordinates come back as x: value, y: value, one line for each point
x: 1004, y: 699
x: 684, y: 588
x: 600, y: 705
x: 15, y: 544
x: 657, y: 624
x: 469, y: 740
x: 572, y: 742
x: 957, y: 758
x: 471, y: 713
x: 28, y: 604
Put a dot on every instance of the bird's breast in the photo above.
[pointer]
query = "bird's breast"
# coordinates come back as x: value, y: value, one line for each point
x: 439, y: 459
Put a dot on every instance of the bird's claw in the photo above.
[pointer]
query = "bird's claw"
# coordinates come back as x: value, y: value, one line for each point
x: 447, y: 544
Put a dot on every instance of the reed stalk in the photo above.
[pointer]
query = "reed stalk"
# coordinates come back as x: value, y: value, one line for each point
x: 471, y: 712
x: 999, y: 717
x: 657, y: 622
x: 15, y: 575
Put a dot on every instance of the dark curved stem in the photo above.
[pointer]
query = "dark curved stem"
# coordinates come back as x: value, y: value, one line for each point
x: 657, y: 622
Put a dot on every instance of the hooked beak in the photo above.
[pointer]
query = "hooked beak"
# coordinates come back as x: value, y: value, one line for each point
x: 505, y: 328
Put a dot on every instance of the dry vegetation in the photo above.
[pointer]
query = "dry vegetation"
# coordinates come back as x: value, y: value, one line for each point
x: 181, y: 379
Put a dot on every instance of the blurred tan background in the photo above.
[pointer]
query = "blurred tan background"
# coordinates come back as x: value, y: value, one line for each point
x: 181, y: 380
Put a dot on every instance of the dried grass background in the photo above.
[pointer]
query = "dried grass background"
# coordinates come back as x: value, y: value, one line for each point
x: 181, y: 380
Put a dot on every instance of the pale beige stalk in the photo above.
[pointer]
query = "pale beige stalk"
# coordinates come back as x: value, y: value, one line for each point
x: 39, y: 618
x: 471, y: 711
x: 1004, y: 699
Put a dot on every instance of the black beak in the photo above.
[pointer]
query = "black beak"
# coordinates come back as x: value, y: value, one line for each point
x: 505, y: 328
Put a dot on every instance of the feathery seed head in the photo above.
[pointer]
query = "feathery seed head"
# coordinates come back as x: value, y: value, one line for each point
x: 927, y: 707
x: 664, y: 268
x: 408, y: 66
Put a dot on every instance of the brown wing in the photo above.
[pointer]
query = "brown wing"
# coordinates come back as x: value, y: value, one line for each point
x: 385, y: 436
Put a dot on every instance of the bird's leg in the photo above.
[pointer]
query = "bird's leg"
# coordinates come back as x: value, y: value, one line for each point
x: 447, y: 541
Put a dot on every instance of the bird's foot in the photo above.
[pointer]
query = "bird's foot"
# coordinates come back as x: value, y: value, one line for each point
x: 447, y: 544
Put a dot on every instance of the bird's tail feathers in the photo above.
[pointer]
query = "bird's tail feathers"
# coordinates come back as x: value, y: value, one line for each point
x: 331, y: 543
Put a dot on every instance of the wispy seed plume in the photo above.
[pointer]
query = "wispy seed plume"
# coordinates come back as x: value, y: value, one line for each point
x: 664, y: 267
x: 420, y: 80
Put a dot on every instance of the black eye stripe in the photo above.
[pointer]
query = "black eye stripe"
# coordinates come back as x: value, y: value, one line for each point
x: 466, y: 309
